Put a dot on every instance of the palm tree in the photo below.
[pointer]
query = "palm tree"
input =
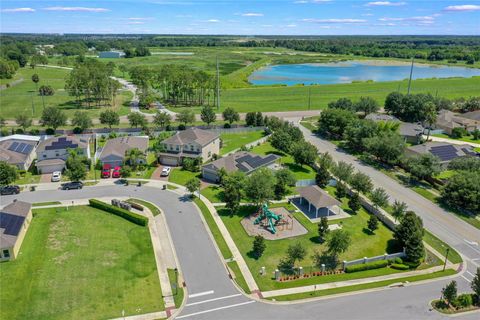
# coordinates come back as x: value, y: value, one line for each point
x: 430, y: 116
x: 134, y: 157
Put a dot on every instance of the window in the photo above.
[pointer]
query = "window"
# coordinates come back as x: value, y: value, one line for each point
x: 178, y: 147
x: 56, y: 154
x: 44, y: 155
x: 192, y: 148
x: 6, y: 253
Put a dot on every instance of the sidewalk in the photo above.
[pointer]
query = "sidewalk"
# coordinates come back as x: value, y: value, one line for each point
x: 453, y: 141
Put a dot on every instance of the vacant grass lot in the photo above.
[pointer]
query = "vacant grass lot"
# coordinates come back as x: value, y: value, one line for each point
x: 232, y: 141
x: 72, y: 268
x: 24, y: 97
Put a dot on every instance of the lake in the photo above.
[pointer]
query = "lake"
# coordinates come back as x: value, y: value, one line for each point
x: 349, y: 71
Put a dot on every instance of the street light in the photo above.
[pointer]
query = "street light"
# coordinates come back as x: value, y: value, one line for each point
x: 176, y: 281
x: 446, y: 257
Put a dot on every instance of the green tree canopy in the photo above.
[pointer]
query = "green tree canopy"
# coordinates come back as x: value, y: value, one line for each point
x: 8, y: 173
x: 53, y: 117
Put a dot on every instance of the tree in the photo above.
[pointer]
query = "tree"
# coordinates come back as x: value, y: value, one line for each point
x: 372, y: 223
x: 323, y: 229
x: 322, y: 177
x: 340, y: 190
x: 361, y: 182
x: 76, y: 167
x: 259, y: 119
x: 8, y: 173
x: 342, y: 103
x: 338, y: 242
x: 333, y: 122
x: 386, y: 146
x: 125, y: 171
x: 393, y: 103
x: 354, y: 202
x: 230, y: 115
x: 134, y: 157
x: 193, y: 185
x: 398, y: 209
x: 462, y: 191
x: 208, y: 115
x: 475, y: 285
x: 424, y: 166
x: 136, y: 119
x: 379, y: 198
x: 35, y: 79
x: 186, y: 116
x: 296, y: 252
x: 430, y: 116
x: 409, y: 234
x: 259, y: 186
x: 233, y: 190
x: 123, y: 68
x: 250, y: 118
x: 281, y: 140
x: 343, y: 171
x: 449, y: 292
x: 357, y: 131
x: 465, y: 164
x: 23, y: 121
x: 82, y: 120
x: 367, y: 105
x: 162, y: 119
x: 46, y: 90
x: 284, y: 179
x: 259, y: 246
x: 53, y: 117
x: 414, y: 248
x: 109, y: 117
x: 304, y: 153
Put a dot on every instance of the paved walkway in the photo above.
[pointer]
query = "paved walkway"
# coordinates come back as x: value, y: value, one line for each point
x: 453, y: 141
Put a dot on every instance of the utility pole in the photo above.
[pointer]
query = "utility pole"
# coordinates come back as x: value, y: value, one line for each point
x: 218, y: 86
x: 410, y: 79
x: 33, y: 106
x: 309, y: 97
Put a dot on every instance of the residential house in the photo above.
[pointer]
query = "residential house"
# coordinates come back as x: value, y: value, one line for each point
x: 190, y: 143
x: 15, y: 219
x: 411, y: 132
x: 18, y: 150
x: 52, y: 153
x: 243, y: 161
x: 447, y: 121
x: 445, y: 151
x: 115, y: 150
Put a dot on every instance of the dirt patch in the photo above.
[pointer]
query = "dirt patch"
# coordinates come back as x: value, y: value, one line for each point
x: 57, y: 234
x: 62, y: 258
x: 109, y: 259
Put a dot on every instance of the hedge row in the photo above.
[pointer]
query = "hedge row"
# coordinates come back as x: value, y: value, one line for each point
x: 130, y: 216
x: 367, y: 266
x: 399, y: 266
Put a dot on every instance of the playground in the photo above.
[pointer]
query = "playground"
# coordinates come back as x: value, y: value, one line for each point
x: 273, y: 224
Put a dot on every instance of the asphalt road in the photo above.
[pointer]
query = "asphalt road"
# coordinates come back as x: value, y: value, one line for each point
x: 212, y: 294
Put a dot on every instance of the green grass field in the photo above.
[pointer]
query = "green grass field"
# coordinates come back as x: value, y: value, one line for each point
x: 180, y: 176
x: 232, y: 141
x: 71, y: 268
x: 23, y: 96
x: 441, y: 247
x: 177, y: 290
x: 468, y: 138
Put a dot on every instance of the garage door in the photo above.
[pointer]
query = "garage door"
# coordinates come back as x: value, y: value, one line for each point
x: 50, y: 168
x: 169, y: 161
x: 210, y: 176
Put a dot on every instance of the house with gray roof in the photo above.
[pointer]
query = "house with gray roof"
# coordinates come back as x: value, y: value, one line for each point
x: 243, y: 161
x: 115, y: 150
x: 52, y: 153
x: 190, y: 143
x: 15, y: 219
x: 448, y: 120
x: 315, y: 202
x: 18, y: 150
x: 445, y: 151
x: 411, y: 132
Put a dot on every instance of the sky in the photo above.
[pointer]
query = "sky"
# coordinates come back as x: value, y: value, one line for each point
x: 243, y: 17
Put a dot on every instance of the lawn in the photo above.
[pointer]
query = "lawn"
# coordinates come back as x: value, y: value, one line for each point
x: 71, y: 268
x: 442, y: 247
x: 177, y: 290
x: 181, y: 176
x: 468, y: 138
x: 363, y: 244
x: 300, y: 172
x: 233, y: 141
x: 150, y: 206
x: 23, y: 97
x: 27, y: 178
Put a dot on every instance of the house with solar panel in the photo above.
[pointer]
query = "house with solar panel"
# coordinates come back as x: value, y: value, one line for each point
x: 52, y: 153
x: 445, y: 151
x: 18, y: 150
x: 15, y: 219
x: 243, y: 161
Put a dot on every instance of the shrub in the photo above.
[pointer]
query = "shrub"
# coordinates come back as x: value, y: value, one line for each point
x: 458, y: 132
x: 181, y: 127
x: 130, y: 216
x: 34, y: 132
x: 399, y: 266
x: 227, y: 125
x: 19, y: 131
x: 50, y: 131
x: 77, y: 130
x: 367, y: 266
x: 464, y: 300
x: 398, y: 260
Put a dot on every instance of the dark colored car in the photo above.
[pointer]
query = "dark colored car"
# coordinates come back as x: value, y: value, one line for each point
x: 72, y: 185
x: 5, y: 190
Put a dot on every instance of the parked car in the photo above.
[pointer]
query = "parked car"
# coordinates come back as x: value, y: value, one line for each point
x: 56, y: 176
x: 165, y: 171
x: 6, y: 190
x: 116, y: 172
x: 72, y: 185
x: 106, y: 171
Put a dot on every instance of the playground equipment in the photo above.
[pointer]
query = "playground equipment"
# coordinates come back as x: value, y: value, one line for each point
x: 271, y: 218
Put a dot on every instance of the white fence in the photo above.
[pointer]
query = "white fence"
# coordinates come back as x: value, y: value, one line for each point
x: 373, y: 259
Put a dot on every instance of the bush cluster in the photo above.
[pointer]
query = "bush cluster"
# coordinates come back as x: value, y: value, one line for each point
x: 399, y: 266
x: 130, y: 216
x: 367, y: 266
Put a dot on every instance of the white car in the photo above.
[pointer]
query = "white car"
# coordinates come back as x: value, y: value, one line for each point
x: 56, y: 176
x: 165, y: 171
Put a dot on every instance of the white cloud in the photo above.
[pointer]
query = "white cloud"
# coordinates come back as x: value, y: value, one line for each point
x: 76, y: 9
x: 266, y: 25
x: 367, y: 14
x: 335, y: 20
x: 462, y: 8
x: 420, y: 19
x: 385, y: 4
x: 291, y: 25
x: 311, y: 1
x: 18, y: 10
x: 139, y: 19
x: 136, y: 22
x: 252, y: 14
x: 213, y: 20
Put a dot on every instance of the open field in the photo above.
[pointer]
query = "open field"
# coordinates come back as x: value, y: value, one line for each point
x: 71, y: 268
x: 232, y: 141
x: 23, y: 96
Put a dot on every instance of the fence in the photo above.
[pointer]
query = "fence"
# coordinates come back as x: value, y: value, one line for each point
x: 373, y: 259
x: 305, y: 183
x: 239, y: 129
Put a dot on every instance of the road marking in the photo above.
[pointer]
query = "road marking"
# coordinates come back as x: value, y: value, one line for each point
x: 468, y: 280
x: 216, y: 309
x: 214, y: 299
x: 200, y: 294
x: 473, y: 243
x: 470, y: 273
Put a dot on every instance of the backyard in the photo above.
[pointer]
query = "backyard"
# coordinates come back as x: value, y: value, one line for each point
x: 233, y: 141
x: 82, y: 270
